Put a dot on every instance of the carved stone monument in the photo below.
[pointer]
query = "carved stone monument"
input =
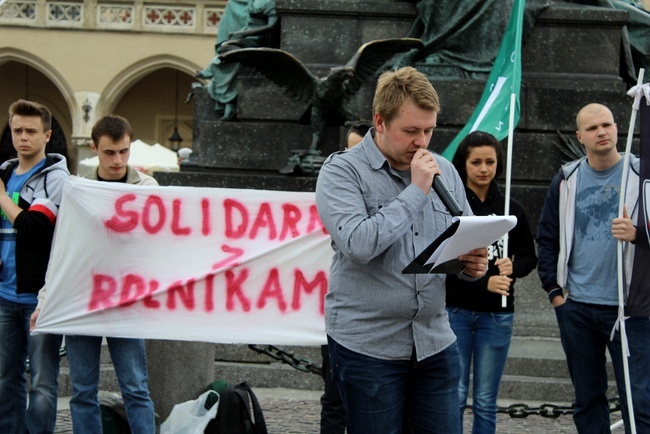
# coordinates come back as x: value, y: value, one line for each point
x: 558, y: 79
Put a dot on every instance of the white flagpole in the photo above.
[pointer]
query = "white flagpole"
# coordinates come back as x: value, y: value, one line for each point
x: 620, y: 322
x: 506, y: 211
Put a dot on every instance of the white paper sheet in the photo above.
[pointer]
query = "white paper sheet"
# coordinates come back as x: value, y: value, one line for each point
x: 473, y: 232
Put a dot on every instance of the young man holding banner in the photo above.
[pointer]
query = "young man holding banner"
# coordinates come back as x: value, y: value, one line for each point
x: 111, y: 136
x: 577, y: 242
x: 31, y: 187
x: 392, y: 352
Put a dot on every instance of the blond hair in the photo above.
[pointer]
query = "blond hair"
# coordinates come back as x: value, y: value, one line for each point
x: 395, y: 87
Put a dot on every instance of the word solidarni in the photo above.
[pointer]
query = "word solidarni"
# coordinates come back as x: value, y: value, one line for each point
x: 154, y: 215
x: 231, y: 286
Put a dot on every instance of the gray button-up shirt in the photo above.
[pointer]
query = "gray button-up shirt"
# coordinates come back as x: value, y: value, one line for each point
x: 379, y: 222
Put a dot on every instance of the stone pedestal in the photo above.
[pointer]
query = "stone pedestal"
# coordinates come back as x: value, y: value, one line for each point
x: 558, y: 79
x: 325, y: 33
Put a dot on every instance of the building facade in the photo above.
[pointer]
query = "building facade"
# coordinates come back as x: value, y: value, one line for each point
x: 88, y: 58
x: 85, y: 59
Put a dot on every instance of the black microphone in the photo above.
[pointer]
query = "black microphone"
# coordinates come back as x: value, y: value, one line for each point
x: 450, y: 203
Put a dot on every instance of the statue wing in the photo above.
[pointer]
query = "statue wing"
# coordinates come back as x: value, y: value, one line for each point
x: 282, y: 68
x: 373, y: 55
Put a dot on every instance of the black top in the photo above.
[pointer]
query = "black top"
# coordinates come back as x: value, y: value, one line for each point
x: 521, y: 249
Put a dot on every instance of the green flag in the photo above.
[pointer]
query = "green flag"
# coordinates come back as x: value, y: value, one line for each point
x: 493, y: 110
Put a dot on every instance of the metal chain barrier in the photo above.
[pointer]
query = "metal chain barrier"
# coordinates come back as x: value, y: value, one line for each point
x: 300, y: 363
x: 551, y: 411
x: 515, y: 411
x: 521, y: 411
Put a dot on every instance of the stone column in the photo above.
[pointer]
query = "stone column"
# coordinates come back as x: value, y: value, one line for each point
x: 178, y: 371
x: 84, y: 116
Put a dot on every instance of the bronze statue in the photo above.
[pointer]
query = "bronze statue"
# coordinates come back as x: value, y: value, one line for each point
x: 461, y: 38
x: 328, y: 96
x: 244, y: 23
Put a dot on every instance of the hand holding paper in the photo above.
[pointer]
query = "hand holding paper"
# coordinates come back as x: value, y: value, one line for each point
x: 475, y: 262
x: 446, y: 253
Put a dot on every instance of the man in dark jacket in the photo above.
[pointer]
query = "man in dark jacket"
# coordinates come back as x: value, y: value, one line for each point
x: 31, y: 187
x: 577, y: 240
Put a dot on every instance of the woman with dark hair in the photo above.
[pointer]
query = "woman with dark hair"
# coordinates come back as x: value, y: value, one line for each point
x: 482, y: 326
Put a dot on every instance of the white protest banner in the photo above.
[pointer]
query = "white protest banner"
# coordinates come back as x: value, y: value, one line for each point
x: 187, y: 263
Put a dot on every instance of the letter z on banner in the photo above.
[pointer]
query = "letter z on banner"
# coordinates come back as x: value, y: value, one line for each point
x: 196, y: 264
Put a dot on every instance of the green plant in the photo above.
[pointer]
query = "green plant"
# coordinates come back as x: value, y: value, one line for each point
x: 570, y: 147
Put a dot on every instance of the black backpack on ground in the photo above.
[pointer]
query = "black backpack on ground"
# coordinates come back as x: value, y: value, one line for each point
x: 234, y: 414
x: 113, y: 413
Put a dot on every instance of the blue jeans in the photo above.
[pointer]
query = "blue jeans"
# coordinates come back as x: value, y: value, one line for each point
x: 585, y: 332
x: 485, y: 336
x: 129, y: 361
x: 43, y: 350
x: 44, y: 374
x: 385, y: 396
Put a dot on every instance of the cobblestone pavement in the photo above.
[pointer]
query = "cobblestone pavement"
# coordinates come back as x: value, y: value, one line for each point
x: 300, y: 415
